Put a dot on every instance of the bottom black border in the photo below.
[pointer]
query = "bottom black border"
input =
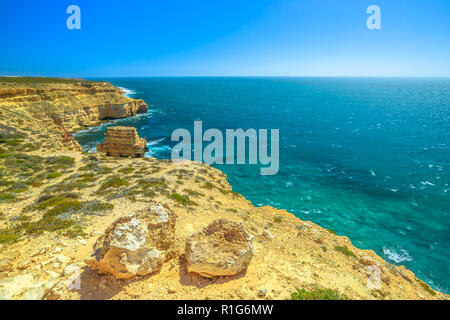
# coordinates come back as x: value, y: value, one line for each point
x: 221, y: 309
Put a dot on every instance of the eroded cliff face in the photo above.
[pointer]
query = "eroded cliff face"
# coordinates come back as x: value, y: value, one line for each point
x: 57, y: 109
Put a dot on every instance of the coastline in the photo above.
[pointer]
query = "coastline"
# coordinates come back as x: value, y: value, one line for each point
x: 308, y: 256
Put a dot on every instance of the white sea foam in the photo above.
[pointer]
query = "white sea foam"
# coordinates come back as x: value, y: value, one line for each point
x: 155, y: 142
x: 127, y: 92
x: 154, y: 151
x: 397, y: 255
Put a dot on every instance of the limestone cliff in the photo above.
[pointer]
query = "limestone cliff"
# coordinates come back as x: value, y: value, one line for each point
x: 57, y: 108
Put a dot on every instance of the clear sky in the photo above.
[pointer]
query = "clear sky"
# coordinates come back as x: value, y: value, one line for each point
x: 225, y: 38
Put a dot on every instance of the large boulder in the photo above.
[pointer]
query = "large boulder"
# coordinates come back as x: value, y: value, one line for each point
x: 223, y: 248
x: 137, y: 244
x: 123, y: 142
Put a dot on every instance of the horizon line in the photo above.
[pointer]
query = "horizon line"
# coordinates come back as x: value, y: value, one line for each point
x: 228, y: 76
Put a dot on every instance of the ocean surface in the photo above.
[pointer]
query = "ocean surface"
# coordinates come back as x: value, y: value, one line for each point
x: 366, y: 157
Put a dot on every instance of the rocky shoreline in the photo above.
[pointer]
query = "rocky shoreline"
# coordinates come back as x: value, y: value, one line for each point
x: 72, y: 224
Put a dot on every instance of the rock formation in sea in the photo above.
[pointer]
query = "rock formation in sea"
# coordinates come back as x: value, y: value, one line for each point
x: 123, y: 142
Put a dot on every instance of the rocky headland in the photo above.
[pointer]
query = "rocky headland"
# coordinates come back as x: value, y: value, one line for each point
x: 92, y: 226
x: 52, y: 110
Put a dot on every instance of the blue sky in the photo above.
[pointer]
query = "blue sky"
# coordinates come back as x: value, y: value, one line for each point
x: 225, y: 38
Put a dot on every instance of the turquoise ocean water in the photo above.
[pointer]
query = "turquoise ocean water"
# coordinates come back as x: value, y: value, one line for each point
x: 366, y: 157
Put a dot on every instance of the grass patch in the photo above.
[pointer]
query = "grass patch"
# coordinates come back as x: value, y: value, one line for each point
x: 7, y: 236
x: 7, y: 197
x: 317, y: 294
x: 82, y: 178
x: 4, y: 183
x: 60, y: 161
x: 345, y: 251
x: 55, y: 219
x: 6, y: 155
x: 23, y: 164
x: 426, y: 287
x: 207, y: 185
x: 126, y: 170
x: 113, y: 182
x: 277, y: 219
x: 11, y: 142
x: 96, y: 168
x: 53, y: 175
x: 51, y: 201
x: 193, y: 193
x: 152, y: 183
x: 95, y: 206
x: 183, y: 200
x: 19, y: 190
x: 65, y: 186
x: 65, y: 206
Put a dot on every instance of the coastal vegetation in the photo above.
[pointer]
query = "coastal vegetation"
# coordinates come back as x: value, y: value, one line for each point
x: 39, y: 80
x: 317, y: 294
x: 345, y: 251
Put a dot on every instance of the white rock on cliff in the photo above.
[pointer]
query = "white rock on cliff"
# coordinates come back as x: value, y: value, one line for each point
x: 27, y: 287
x: 222, y: 248
x: 136, y: 245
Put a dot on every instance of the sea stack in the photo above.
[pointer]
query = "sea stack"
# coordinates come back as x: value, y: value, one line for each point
x: 123, y: 142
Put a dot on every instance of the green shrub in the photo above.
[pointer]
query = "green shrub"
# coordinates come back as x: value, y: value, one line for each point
x: 66, y: 186
x: 193, y: 193
x: 19, y: 190
x: 277, y: 219
x: 208, y: 186
x: 317, y: 294
x: 4, y: 183
x: 51, y: 201
x: 331, y: 231
x: 7, y: 236
x: 426, y: 287
x: 65, y: 206
x: 113, y: 182
x: 126, y: 170
x: 53, y: 175
x: 345, y: 251
x: 183, y: 200
x: 11, y: 142
x: 95, y: 206
x: 149, y: 194
x: 7, y: 197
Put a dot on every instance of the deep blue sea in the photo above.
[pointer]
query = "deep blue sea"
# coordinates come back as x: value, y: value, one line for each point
x: 366, y: 157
